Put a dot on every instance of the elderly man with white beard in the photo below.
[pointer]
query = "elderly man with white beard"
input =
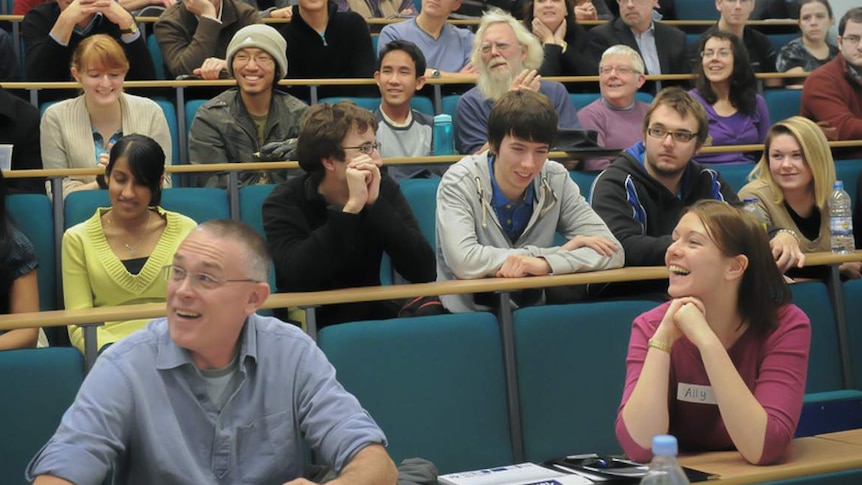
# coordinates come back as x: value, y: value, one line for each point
x: 507, y: 57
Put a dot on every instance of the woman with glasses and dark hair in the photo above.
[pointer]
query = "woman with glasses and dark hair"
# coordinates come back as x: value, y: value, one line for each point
x: 723, y: 364
x: 18, y: 280
x: 117, y: 255
x: 555, y: 24
x: 726, y: 87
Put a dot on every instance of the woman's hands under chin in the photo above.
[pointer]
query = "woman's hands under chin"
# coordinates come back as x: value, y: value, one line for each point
x: 690, y: 319
x: 685, y: 316
x: 542, y: 31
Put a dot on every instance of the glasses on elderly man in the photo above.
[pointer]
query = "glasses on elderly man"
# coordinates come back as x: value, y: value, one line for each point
x: 623, y: 70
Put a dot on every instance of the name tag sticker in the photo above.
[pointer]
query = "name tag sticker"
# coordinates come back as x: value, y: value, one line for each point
x: 695, y: 393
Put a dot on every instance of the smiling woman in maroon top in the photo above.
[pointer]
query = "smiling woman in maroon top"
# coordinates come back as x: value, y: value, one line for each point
x: 723, y: 364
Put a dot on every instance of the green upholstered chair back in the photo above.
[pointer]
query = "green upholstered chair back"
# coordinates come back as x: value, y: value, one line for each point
x: 435, y: 385
x: 571, y: 369
x: 38, y: 386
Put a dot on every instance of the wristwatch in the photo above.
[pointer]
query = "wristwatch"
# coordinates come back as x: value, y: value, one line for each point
x: 130, y: 30
x: 435, y: 73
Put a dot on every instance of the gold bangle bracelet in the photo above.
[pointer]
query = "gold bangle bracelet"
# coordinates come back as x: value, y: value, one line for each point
x: 659, y: 344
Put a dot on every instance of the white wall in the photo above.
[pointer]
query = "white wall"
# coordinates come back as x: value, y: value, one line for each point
x: 839, y: 7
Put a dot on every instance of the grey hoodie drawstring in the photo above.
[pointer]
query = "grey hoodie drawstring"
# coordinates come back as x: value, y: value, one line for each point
x: 482, y: 202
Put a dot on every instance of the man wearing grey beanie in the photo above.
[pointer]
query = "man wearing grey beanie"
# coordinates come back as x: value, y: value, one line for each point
x: 251, y: 122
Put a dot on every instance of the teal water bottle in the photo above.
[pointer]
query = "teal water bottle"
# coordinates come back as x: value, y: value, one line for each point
x: 444, y: 138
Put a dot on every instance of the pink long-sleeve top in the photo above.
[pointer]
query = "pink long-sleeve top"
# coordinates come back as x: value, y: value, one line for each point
x: 774, y: 368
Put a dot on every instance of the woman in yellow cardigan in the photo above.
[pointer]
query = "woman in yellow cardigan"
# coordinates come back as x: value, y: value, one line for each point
x: 117, y: 255
x: 793, y: 182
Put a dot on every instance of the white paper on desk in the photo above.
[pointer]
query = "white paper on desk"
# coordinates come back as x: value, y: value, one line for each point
x: 520, y: 474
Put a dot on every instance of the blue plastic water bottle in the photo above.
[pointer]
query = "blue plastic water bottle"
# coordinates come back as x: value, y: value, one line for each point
x: 444, y: 138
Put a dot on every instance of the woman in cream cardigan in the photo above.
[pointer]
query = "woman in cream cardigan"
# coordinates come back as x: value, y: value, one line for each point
x: 79, y: 132
x: 793, y: 182
x: 118, y: 256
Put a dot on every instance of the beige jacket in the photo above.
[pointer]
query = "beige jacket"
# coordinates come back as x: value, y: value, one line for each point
x: 67, y: 135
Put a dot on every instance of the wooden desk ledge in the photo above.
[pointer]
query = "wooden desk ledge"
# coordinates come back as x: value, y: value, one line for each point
x: 466, y: 79
x: 293, y: 165
x: 853, y: 436
x: 806, y: 457
x: 58, y: 318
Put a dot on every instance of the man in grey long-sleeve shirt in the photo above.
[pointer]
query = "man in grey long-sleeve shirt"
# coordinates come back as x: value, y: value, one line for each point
x: 499, y: 212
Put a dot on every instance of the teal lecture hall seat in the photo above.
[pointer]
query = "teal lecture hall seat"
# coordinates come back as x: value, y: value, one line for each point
x: 584, y: 180
x: 421, y: 194
x: 848, y: 171
x: 251, y: 199
x: 571, y: 370
x: 31, y: 214
x: 824, y: 364
x: 156, y: 54
x: 449, y: 106
x: 696, y: 10
x: 191, y: 109
x: 38, y: 385
x: 435, y: 385
x: 170, y: 112
x: 853, y: 309
x: 782, y: 103
x: 735, y: 174
x: 778, y: 40
x: 827, y: 407
x: 201, y: 204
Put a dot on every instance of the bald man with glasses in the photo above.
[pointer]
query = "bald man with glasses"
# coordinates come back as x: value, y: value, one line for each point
x: 214, y: 393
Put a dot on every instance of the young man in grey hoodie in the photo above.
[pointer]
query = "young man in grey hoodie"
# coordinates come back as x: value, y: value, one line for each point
x: 499, y: 212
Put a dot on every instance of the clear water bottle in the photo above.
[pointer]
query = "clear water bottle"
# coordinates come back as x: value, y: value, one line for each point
x: 444, y: 138
x: 752, y: 205
x: 841, y: 220
x: 664, y: 469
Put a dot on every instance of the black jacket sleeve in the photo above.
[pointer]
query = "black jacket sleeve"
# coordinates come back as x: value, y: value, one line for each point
x: 609, y: 200
x: 305, y: 256
x: 362, y: 55
x: 576, y: 61
x: 45, y: 59
x: 308, y: 253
